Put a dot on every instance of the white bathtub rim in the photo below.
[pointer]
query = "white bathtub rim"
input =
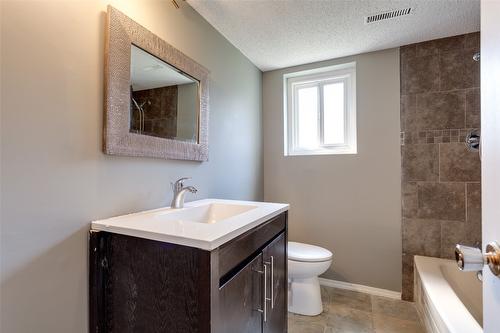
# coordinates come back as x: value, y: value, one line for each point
x: 454, y: 315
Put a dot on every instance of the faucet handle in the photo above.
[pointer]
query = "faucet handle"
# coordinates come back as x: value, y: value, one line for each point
x: 179, y: 183
x: 181, y: 180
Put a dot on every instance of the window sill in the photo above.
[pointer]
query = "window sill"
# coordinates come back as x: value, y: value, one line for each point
x: 346, y: 151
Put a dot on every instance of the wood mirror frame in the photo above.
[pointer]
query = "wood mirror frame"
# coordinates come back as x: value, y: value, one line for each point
x: 121, y: 33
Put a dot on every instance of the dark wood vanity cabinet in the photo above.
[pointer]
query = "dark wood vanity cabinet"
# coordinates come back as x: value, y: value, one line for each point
x: 274, y: 255
x: 240, y: 300
x: 142, y: 285
x: 254, y: 300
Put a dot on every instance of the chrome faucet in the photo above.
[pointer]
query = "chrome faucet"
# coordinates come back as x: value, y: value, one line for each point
x: 180, y: 192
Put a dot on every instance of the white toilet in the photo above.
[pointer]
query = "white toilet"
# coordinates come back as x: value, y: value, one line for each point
x: 305, y: 263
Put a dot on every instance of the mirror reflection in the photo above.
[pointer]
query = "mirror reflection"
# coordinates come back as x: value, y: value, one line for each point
x: 164, y: 102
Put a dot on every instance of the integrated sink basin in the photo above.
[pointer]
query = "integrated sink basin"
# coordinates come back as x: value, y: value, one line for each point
x: 210, y: 213
x: 204, y: 224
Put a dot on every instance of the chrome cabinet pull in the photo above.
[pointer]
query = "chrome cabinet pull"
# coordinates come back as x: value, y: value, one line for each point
x: 266, y: 299
x: 272, y: 282
x: 265, y: 292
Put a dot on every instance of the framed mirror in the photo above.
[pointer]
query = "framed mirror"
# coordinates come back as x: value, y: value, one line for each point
x: 156, y: 97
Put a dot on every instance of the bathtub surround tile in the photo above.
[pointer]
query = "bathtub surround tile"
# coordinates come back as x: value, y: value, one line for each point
x: 452, y: 233
x: 407, y: 283
x: 473, y: 223
x: 440, y: 103
x: 161, y: 117
x: 434, y: 47
x: 441, y: 201
x: 407, y: 109
x: 408, y: 51
x: 440, y: 110
x: 435, y: 136
x: 409, y: 137
x: 427, y: 48
x: 458, y: 164
x: 421, y: 237
x: 458, y: 70
x: 408, y: 112
x: 473, y: 41
x: 409, y: 202
x: 421, y: 74
x: 473, y: 235
x: 473, y: 108
x: 420, y: 162
x: 474, y: 202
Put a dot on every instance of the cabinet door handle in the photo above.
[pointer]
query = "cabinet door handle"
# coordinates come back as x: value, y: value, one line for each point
x: 272, y: 282
x: 265, y: 292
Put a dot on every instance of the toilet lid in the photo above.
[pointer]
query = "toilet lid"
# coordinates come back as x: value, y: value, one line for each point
x: 307, y: 252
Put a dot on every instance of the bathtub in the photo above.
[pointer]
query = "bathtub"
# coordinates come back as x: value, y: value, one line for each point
x: 448, y: 300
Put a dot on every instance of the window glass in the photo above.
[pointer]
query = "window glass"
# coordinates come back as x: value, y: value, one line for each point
x: 333, y: 113
x: 307, y: 121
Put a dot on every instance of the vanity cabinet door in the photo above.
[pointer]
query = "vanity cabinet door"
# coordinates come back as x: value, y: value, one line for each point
x: 240, y: 300
x: 275, y: 258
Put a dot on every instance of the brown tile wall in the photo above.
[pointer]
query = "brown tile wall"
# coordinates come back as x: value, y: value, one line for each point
x: 160, y: 114
x: 441, y: 178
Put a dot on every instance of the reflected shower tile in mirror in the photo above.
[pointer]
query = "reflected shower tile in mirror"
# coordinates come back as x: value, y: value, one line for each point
x: 163, y: 100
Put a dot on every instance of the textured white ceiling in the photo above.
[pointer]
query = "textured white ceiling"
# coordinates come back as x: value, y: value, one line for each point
x: 281, y: 33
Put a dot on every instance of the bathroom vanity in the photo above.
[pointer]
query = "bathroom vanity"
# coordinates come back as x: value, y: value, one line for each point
x: 216, y: 266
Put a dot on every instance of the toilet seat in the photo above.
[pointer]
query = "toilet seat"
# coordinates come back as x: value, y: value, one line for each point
x: 307, y: 253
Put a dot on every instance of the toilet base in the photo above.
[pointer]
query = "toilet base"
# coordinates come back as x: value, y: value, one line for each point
x: 304, y: 297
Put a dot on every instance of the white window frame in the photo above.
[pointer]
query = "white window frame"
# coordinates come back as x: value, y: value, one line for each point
x: 319, y: 77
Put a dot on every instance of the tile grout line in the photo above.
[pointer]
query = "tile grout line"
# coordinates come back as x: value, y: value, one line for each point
x: 466, y: 203
x: 439, y: 163
x: 443, y: 182
x: 465, y: 107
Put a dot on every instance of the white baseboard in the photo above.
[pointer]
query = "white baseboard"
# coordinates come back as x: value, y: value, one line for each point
x: 360, y: 288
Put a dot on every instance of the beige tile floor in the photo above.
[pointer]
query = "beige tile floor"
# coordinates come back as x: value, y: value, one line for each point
x: 353, y: 312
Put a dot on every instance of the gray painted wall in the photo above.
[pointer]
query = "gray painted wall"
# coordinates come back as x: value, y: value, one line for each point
x: 349, y: 204
x: 55, y: 179
x: 187, y: 115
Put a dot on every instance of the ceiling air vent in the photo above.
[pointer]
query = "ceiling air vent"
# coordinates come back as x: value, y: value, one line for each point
x: 388, y: 15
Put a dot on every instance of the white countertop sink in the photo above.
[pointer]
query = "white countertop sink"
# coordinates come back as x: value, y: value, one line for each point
x: 209, y: 213
x: 204, y: 224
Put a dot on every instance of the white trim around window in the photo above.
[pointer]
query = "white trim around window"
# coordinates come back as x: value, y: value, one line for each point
x: 317, y: 131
